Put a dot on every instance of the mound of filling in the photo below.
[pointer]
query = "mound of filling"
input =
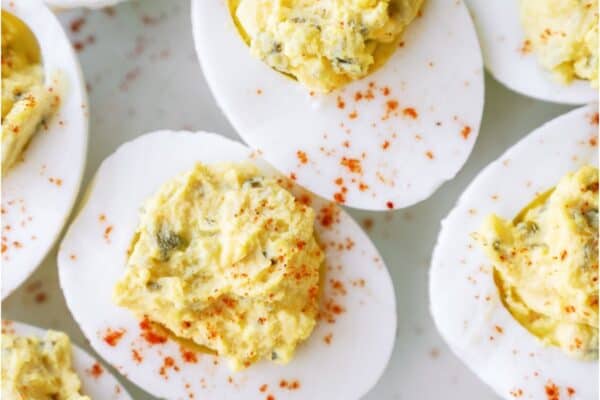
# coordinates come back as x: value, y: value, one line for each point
x: 546, y: 264
x: 36, y: 368
x: 323, y: 44
x: 26, y: 101
x: 227, y: 258
x: 564, y: 34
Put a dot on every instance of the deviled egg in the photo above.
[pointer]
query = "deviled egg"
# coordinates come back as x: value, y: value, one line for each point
x: 209, y: 275
x: 38, y: 364
x: 370, y: 104
x: 546, y: 49
x: 514, y: 276
x: 44, y: 118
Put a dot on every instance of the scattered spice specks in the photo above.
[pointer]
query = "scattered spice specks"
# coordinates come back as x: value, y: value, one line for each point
x: 552, y: 391
x: 137, y: 357
x: 95, y: 370
x: 40, y: 297
x: 302, y: 157
x: 149, y: 334
x: 516, y: 393
x: 434, y: 353
x: 465, y: 132
x: 353, y: 164
x: 368, y: 223
x: 188, y: 356
x: 112, y: 337
x: 168, y: 363
x: 107, y: 231
x: 410, y: 113
x: 339, y: 197
x: 76, y: 24
x: 525, y: 47
x: 290, y: 385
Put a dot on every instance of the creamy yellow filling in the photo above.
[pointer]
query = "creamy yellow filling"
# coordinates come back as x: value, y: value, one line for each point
x: 546, y: 264
x: 227, y: 258
x: 323, y: 44
x: 39, y: 368
x: 564, y: 35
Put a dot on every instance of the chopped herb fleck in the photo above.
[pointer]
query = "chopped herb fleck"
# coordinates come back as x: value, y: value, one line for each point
x: 255, y: 182
x: 167, y: 242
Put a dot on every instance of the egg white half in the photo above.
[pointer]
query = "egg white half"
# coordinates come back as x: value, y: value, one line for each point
x: 502, y: 37
x: 464, y: 299
x: 90, y: 263
x: 404, y: 155
x: 98, y: 386
x: 38, y: 193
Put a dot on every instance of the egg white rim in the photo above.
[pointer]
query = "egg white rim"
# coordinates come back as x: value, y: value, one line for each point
x: 502, y: 37
x: 279, y: 117
x: 89, y: 262
x: 464, y: 300
x: 45, y: 205
x: 99, y: 385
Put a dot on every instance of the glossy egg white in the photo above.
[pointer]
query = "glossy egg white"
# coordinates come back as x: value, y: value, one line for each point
x: 340, y: 360
x: 465, y: 303
x: 413, y: 135
x: 38, y: 193
x: 502, y: 38
x: 96, y: 381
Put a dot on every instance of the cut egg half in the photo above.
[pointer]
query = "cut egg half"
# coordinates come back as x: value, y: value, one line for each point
x: 465, y: 302
x: 510, y: 59
x: 96, y: 381
x: 386, y: 141
x: 357, y: 341
x: 39, y: 191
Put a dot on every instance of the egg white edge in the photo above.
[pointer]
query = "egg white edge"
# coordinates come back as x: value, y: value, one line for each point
x: 467, y: 324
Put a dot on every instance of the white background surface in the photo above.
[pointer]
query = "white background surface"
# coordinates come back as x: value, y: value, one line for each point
x: 143, y: 75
